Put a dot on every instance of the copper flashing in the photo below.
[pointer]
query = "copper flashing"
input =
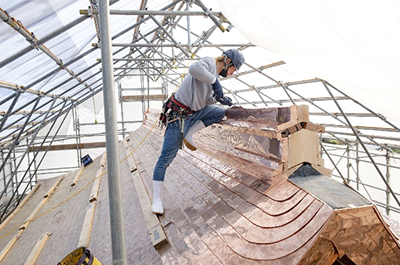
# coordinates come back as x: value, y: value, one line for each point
x: 229, y: 202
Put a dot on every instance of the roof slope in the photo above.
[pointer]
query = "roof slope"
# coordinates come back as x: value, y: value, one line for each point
x: 239, y: 208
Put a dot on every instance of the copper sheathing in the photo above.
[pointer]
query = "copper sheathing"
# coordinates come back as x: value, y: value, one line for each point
x: 232, y: 203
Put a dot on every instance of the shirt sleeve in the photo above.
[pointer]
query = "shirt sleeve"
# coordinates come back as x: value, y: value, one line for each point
x: 201, y: 70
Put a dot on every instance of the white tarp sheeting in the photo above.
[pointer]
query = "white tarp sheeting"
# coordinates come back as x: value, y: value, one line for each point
x: 354, y: 45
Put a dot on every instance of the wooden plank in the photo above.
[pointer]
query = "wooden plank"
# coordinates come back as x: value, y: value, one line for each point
x: 86, y: 231
x: 19, y: 206
x: 29, y: 219
x: 73, y: 183
x: 36, y: 249
x: 96, y: 183
x: 302, y: 113
x: 53, y: 188
x: 314, y: 127
x: 303, y: 147
x: 143, y: 97
x: 298, y: 114
x: 11, y: 243
x: 156, y: 231
x: 40, y: 205
x: 68, y: 146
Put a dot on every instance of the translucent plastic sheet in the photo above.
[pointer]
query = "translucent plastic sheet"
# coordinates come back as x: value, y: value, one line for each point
x: 353, y: 45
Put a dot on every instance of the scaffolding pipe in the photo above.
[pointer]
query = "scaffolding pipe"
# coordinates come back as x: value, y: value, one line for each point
x: 211, y: 15
x: 333, y: 163
x: 34, y: 159
x: 19, y: 88
x: 348, y: 162
x: 74, y: 104
x: 47, y: 149
x: 122, y: 109
x: 178, y: 45
x: 32, y: 101
x: 154, y: 13
x: 203, y: 38
x: 143, y: 20
x: 16, y: 140
x: 114, y: 182
x: 155, y: 50
x: 362, y: 144
x: 188, y: 26
x: 47, y: 38
x: 7, y: 114
x: 7, y: 99
x: 388, y: 179
x: 357, y: 166
x: 376, y: 114
x: 30, y: 37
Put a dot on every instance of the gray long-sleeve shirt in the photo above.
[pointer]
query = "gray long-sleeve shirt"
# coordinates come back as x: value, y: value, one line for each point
x: 195, y: 91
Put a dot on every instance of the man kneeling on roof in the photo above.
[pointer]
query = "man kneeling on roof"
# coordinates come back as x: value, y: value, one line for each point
x: 191, y: 109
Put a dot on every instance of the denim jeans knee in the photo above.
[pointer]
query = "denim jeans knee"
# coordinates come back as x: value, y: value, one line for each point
x: 208, y: 115
x: 169, y: 150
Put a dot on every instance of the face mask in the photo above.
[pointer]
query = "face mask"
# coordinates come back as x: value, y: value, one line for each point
x: 224, y: 72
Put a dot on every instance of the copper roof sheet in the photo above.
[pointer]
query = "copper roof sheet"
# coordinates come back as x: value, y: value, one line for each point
x: 227, y: 203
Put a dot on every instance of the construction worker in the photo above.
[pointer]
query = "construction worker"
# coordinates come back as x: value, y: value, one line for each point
x: 191, y: 109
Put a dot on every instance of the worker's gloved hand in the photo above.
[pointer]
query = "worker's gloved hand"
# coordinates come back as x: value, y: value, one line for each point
x: 218, y: 93
x: 226, y: 101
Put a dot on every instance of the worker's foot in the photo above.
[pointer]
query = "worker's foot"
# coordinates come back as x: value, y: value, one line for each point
x: 157, y: 207
x: 189, y: 136
x: 189, y: 145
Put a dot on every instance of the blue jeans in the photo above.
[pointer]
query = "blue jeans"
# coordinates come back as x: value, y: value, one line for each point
x: 208, y: 115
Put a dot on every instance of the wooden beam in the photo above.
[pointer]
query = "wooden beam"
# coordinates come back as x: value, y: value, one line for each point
x: 303, y: 147
x: 9, y: 245
x: 96, y: 183
x: 143, y: 97
x: 19, y: 207
x: 86, y: 231
x: 157, y: 234
x: 37, y: 249
x: 76, y: 178
x: 40, y: 205
x: 22, y: 228
x: 68, y: 146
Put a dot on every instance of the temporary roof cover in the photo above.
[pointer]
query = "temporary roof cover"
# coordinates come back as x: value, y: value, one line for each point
x: 353, y: 45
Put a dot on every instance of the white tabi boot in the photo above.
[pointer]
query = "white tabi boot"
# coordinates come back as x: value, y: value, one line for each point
x: 189, y: 136
x: 157, y: 207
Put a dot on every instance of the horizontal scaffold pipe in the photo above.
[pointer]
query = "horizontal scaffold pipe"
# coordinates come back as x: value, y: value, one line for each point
x: 22, y: 89
x: 359, y: 127
x: 151, y: 13
x: 47, y: 38
x: 30, y: 37
x: 181, y: 45
x: 149, y: 59
x: 68, y: 146
x: 364, y: 135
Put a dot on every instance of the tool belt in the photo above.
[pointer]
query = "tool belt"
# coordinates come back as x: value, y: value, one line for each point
x: 173, y: 110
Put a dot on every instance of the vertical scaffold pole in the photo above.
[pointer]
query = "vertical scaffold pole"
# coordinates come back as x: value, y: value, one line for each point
x: 388, y: 181
x: 110, y: 113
